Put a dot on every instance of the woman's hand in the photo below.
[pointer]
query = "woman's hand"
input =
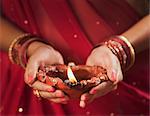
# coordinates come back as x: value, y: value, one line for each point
x: 102, y: 56
x: 41, y: 54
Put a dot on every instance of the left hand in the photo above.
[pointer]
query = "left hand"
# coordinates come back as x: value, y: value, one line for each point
x: 42, y: 54
x: 102, y: 56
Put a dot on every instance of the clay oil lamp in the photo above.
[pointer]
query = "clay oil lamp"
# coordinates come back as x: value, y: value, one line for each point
x: 72, y: 79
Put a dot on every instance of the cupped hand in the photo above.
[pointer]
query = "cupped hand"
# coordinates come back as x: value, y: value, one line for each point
x: 42, y: 54
x: 102, y: 56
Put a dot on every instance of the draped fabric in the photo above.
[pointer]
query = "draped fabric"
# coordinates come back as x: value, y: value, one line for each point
x: 73, y: 27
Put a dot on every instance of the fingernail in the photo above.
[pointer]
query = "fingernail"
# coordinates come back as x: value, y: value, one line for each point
x: 93, y: 91
x: 82, y: 104
x: 84, y: 98
x: 30, y: 79
x: 64, y: 99
x: 51, y: 89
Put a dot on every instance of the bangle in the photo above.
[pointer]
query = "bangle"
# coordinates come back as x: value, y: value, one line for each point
x: 17, y: 50
x: 14, y: 47
x: 132, y: 51
x: 23, y: 51
x: 122, y: 49
x: 117, y: 50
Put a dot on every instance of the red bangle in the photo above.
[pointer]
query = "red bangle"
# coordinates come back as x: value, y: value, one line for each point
x: 123, y: 49
x: 17, y: 49
x: 116, y: 48
x: 23, y: 52
x: 130, y: 50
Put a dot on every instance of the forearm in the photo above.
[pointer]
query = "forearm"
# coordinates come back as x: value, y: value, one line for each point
x: 8, y: 33
x: 139, y: 34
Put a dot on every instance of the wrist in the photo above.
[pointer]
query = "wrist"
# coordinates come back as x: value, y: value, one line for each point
x: 35, y: 45
x: 22, y: 47
x: 122, y: 49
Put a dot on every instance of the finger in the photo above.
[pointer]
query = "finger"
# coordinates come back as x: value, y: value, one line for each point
x: 42, y: 86
x: 63, y: 100
x: 84, y: 103
x: 86, y: 98
x: 102, y: 93
x: 103, y: 87
x: 115, y: 87
x: 50, y: 95
x: 31, y: 70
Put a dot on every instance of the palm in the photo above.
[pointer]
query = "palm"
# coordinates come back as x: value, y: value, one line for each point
x: 102, y: 56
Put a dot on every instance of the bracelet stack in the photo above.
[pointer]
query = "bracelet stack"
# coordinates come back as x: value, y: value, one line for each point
x: 128, y: 49
x: 122, y: 48
x: 18, y: 48
x: 119, y: 45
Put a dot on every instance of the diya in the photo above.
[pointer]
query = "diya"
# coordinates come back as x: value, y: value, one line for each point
x: 72, y: 79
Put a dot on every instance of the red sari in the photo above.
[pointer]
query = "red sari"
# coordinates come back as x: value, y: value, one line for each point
x: 73, y: 27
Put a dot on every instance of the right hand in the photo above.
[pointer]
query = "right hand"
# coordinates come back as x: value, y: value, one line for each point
x: 41, y: 54
x: 103, y: 56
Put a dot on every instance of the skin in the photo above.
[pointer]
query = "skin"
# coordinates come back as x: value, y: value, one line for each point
x: 36, y: 58
x: 138, y: 36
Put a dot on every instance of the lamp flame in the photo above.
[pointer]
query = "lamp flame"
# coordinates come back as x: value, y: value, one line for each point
x: 71, y: 75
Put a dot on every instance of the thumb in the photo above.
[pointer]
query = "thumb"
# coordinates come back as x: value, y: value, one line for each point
x: 115, y: 76
x: 30, y: 72
x: 58, y: 58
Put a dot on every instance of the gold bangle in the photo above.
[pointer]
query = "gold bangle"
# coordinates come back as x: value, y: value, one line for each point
x: 132, y: 51
x: 11, y: 48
